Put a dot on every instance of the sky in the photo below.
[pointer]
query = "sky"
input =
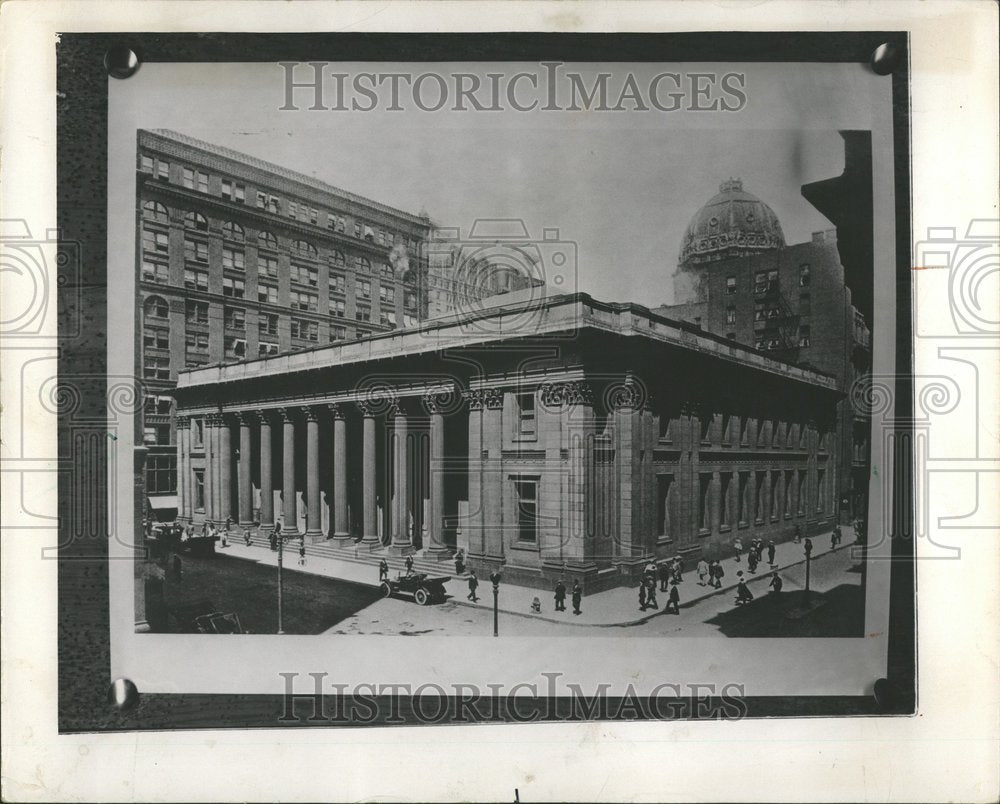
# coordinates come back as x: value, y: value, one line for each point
x: 621, y: 186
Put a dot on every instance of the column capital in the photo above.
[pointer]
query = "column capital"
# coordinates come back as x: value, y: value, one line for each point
x: 370, y: 408
x: 629, y: 394
x: 441, y: 401
x: 288, y: 415
x: 475, y: 397
x: 336, y: 410
x: 183, y: 422
x: 311, y: 413
x: 573, y: 392
x: 247, y: 416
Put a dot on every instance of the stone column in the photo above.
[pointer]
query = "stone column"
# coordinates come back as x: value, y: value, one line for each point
x: 314, y: 529
x: 472, y: 528
x: 402, y: 537
x: 370, y: 511
x: 289, y: 508
x: 216, y: 478
x: 245, y: 497
x: 339, y: 519
x: 435, y: 545
x: 225, y: 469
x: 492, y: 490
x: 182, y: 458
x: 266, y: 488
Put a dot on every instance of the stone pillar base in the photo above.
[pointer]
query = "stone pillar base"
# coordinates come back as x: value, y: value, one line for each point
x: 341, y: 540
x: 437, y: 553
x: 400, y: 549
x: 370, y: 543
x: 315, y: 536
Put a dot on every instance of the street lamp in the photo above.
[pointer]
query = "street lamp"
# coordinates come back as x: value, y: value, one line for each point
x: 281, y: 545
x: 495, y: 577
x: 808, y: 549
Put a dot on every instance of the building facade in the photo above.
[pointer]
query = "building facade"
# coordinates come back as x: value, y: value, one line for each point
x: 580, y: 444
x: 238, y: 258
x: 737, y: 278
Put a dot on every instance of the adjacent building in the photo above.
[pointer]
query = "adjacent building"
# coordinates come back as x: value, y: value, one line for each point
x: 580, y: 443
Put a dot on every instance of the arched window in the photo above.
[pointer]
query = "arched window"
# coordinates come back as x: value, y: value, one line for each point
x: 266, y: 240
x: 232, y: 231
x: 195, y: 220
x: 337, y: 257
x: 154, y: 211
x: 304, y: 248
x: 362, y: 263
x: 155, y: 307
x: 385, y: 269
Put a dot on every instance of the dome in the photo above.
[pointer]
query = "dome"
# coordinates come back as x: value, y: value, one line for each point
x: 732, y: 224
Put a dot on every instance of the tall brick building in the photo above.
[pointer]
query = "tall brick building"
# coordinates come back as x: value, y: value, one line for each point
x: 239, y: 258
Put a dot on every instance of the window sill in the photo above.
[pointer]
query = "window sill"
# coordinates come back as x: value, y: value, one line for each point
x: 704, y: 532
x: 520, y: 439
x: 725, y: 528
x: 743, y: 525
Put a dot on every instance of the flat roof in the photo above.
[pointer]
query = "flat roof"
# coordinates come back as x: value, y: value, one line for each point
x: 530, y: 313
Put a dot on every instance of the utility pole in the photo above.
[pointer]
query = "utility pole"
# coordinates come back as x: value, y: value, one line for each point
x: 281, y: 544
x: 495, y: 577
x: 809, y: 549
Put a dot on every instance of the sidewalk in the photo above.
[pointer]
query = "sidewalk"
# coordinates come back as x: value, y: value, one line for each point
x: 614, y: 607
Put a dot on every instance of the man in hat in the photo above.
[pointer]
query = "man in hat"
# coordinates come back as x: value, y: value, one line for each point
x: 642, y: 595
x: 560, y: 595
x: 674, y: 601
x: 651, y: 593
x: 776, y: 582
x: 577, y: 596
x: 678, y: 569
x: 473, y: 585
x: 770, y: 553
x: 383, y: 571
x: 702, y: 570
x: 664, y: 572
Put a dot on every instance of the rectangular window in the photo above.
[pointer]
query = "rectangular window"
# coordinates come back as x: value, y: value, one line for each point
x: 364, y: 288
x: 146, y: 164
x: 162, y: 170
x: 731, y: 285
x: 730, y: 315
x: 196, y: 280
x: 304, y: 275
x: 300, y: 300
x: 527, y: 510
x: 704, y: 499
x: 805, y: 304
x: 156, y: 242
x: 202, y: 182
x: 187, y: 178
x: 155, y: 368
x: 338, y: 283
x: 338, y: 333
x: 235, y: 347
x: 267, y: 293
x: 261, y: 200
x: 363, y: 314
x: 760, y: 501
x: 267, y: 266
x: 387, y: 295
x: 156, y: 338
x: 196, y: 343
x: 526, y: 419
x: 196, y: 312
x: 267, y: 324
x: 313, y: 215
x: 233, y: 191
x: 264, y: 349
x: 776, y: 495
x: 744, y: 491
x: 161, y: 474
x: 233, y: 287
x: 233, y: 260
x: 338, y: 308
x: 804, y: 275
x: 805, y: 336
x: 305, y: 330
x: 664, y: 505
x: 199, y: 490
x: 195, y: 250
x: 357, y: 228
x: 725, y: 489
x: 155, y: 272
x: 387, y: 318
x: 235, y: 318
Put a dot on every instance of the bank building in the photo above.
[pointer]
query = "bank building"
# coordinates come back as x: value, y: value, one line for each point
x: 546, y: 434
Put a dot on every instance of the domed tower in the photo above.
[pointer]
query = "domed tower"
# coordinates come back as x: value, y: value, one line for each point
x: 733, y: 223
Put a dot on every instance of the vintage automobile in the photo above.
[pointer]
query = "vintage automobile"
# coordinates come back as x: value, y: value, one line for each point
x: 424, y: 588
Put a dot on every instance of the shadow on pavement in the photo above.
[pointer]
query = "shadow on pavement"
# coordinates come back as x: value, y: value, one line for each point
x: 839, y: 612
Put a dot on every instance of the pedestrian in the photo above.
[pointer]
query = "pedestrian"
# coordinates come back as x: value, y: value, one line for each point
x: 770, y: 553
x: 752, y: 561
x: 273, y: 538
x: 719, y: 574
x: 560, y: 595
x: 808, y: 545
x: 798, y: 534
x: 577, y: 597
x: 674, y: 601
x: 650, y: 570
x: 473, y: 585
x: 204, y: 528
x: 246, y: 537
x: 642, y: 595
x: 702, y: 571
x: 743, y: 594
x: 678, y: 569
x: 177, y: 567
x: 651, y: 593
x: 383, y: 571
x: 776, y: 582
x: 536, y: 606
x: 459, y: 562
x: 409, y: 565
x: 225, y: 538
x: 760, y: 549
x: 835, y: 538
x: 302, y: 551
x: 664, y: 575
x: 738, y: 547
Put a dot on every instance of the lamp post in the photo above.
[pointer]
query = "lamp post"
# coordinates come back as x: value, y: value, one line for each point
x: 495, y: 577
x: 809, y: 549
x: 281, y: 545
